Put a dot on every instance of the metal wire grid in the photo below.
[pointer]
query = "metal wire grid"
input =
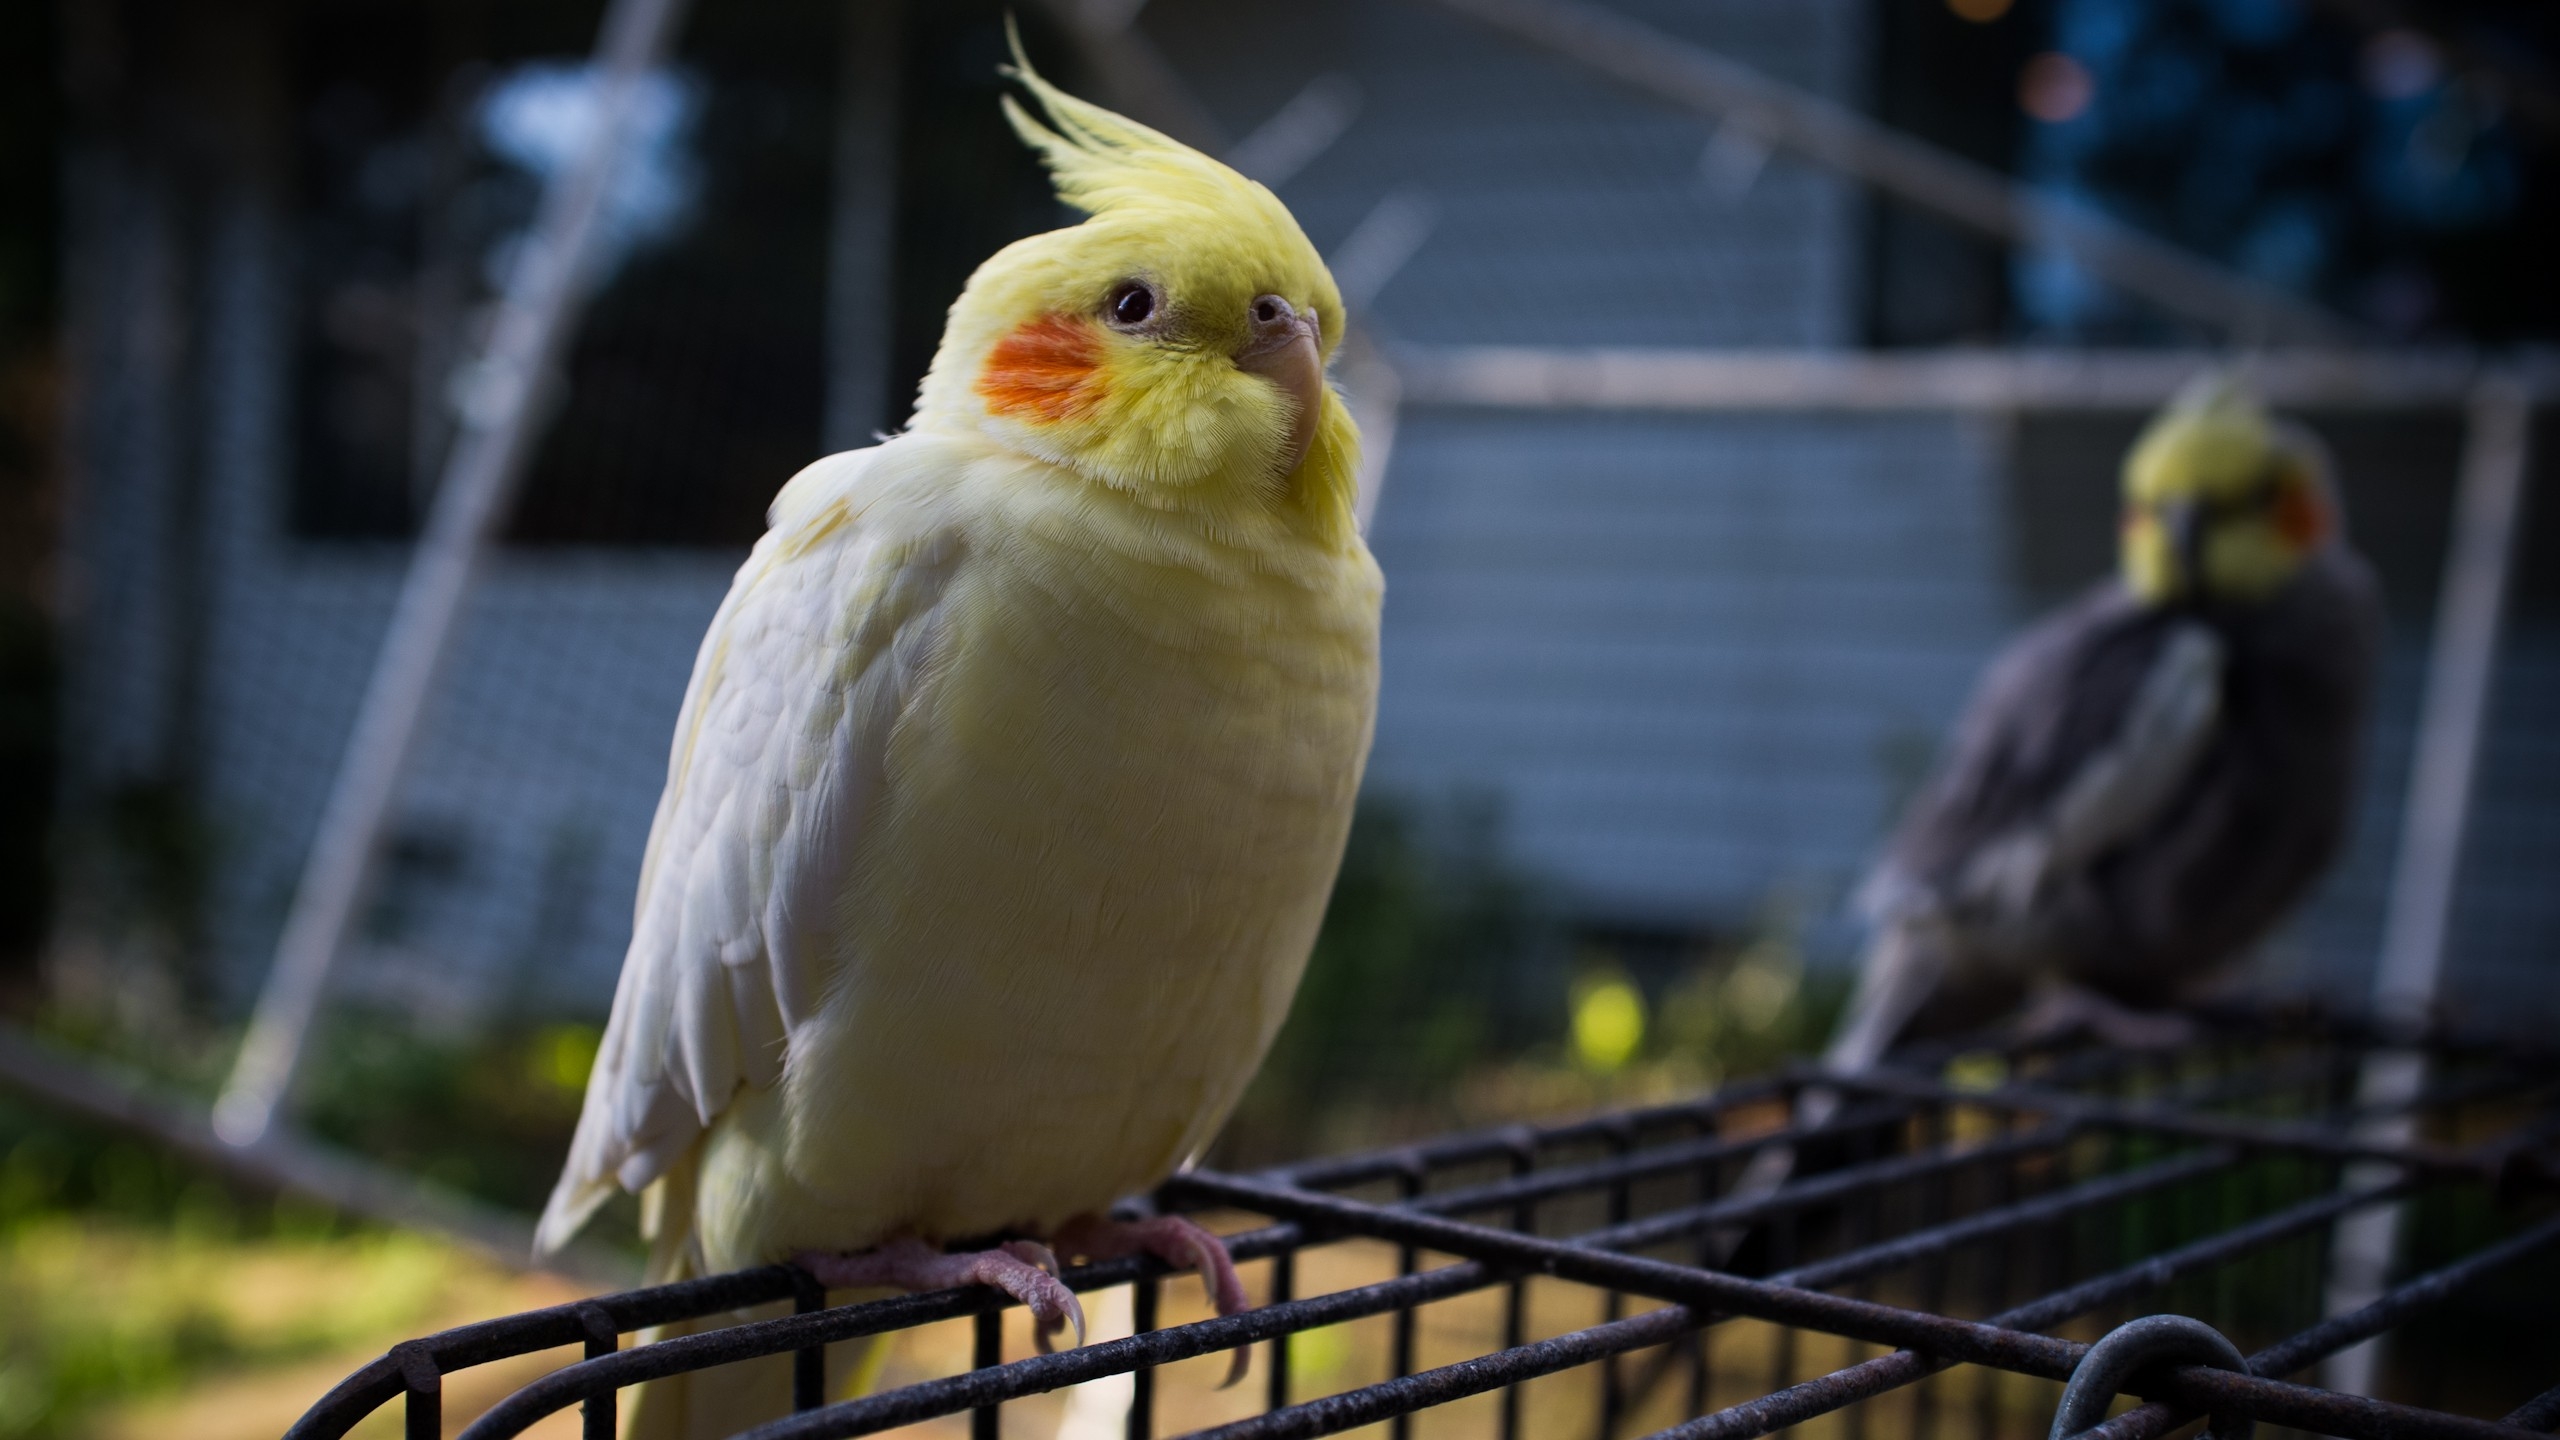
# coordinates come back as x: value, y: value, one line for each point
x: 1955, y: 1212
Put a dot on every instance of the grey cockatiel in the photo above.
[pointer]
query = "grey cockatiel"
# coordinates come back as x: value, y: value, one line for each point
x: 2149, y: 780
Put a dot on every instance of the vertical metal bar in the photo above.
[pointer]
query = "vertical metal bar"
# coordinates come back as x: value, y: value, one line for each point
x: 501, y: 417
x: 809, y: 1366
x: 422, y: 1380
x: 1613, y: 1306
x: 1929, y: 1200
x: 1408, y: 1185
x: 1284, y: 1288
x: 1515, y: 1296
x: 1709, y: 1256
x: 1143, y: 1295
x: 861, y: 225
x: 599, y: 1416
x: 2461, y: 664
x: 1862, y: 1219
x: 1781, y: 1231
x: 987, y: 1421
x: 1993, y: 1258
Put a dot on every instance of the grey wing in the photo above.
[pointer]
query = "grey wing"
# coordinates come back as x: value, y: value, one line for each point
x: 2081, y: 735
x: 799, y: 682
x: 2086, y: 730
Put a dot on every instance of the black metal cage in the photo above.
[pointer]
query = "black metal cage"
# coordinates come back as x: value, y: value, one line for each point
x: 1954, y: 1238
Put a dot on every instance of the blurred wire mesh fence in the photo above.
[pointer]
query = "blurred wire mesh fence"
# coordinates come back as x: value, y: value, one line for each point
x: 1682, y: 584
x: 1685, y: 620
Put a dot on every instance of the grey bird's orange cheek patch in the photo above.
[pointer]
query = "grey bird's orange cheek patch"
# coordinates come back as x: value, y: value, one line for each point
x: 1047, y: 369
x: 2300, y: 517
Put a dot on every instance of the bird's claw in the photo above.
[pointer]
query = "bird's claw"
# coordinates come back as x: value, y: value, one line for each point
x: 2060, y: 1011
x: 1023, y: 1269
x: 1181, y: 1243
x: 1053, y: 1306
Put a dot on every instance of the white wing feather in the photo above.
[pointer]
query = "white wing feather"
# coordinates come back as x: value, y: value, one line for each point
x: 777, y: 751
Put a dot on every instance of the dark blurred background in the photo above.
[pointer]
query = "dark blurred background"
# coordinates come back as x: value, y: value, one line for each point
x: 1656, y: 683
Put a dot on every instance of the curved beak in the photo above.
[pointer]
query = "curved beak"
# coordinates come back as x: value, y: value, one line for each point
x: 1283, y: 347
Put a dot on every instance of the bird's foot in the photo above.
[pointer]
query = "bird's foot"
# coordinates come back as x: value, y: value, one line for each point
x: 2066, y: 1009
x: 1023, y: 1269
x: 1177, y: 1242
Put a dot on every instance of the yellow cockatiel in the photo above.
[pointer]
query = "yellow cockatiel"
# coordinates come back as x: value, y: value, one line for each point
x: 1014, y: 771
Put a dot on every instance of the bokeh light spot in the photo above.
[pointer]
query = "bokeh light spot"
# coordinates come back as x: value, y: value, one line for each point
x: 2055, y: 88
x: 2401, y: 65
x: 563, y: 1054
x: 1608, y: 1024
x: 1980, y: 12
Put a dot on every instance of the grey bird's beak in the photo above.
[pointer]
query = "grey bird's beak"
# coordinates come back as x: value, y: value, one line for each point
x: 1284, y: 349
x: 2185, y: 521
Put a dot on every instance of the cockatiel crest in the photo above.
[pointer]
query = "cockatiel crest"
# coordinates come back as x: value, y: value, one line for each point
x: 1193, y: 373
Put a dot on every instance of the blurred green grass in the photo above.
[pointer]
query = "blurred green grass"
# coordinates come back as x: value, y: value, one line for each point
x: 126, y: 1274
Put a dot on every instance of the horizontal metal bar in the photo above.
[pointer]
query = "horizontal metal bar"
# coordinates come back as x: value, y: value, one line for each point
x: 1696, y: 1154
x: 365, y: 1391
x: 1629, y: 1165
x: 943, y: 1397
x: 1839, y: 1184
x: 2286, y: 1403
x: 2442, y: 1039
x: 1042, y: 1373
x: 1501, y: 1141
x: 1839, y: 1315
x: 2042, y: 1210
x: 2324, y: 1412
x: 1518, y: 377
x: 1656, y: 1279
x: 376, y: 1384
x: 1373, y: 1403
x: 2159, y: 1119
x: 2290, y: 1356
x: 1820, y: 1396
x: 576, y: 1382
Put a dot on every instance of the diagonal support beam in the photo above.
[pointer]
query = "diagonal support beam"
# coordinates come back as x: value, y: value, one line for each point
x: 1789, y: 118
x: 501, y: 421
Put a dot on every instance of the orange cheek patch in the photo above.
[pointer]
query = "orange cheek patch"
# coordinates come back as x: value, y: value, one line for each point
x: 1047, y: 369
x: 2300, y: 519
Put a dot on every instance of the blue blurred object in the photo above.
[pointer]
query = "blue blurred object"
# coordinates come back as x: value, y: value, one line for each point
x: 2299, y: 150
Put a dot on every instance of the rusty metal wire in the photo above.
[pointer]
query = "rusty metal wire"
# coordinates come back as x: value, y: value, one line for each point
x: 1994, y: 1215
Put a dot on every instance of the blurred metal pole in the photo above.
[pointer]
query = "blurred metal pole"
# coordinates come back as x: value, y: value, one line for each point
x: 862, y: 229
x: 1704, y: 381
x: 1786, y: 117
x: 1363, y: 263
x: 1136, y: 78
x: 2462, y: 662
x: 104, y: 1093
x: 1374, y: 393
x: 501, y: 401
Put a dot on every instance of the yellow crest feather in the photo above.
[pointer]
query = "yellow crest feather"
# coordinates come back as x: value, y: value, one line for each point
x: 1101, y: 161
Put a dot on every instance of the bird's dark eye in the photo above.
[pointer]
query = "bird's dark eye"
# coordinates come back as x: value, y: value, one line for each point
x: 1130, y: 304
